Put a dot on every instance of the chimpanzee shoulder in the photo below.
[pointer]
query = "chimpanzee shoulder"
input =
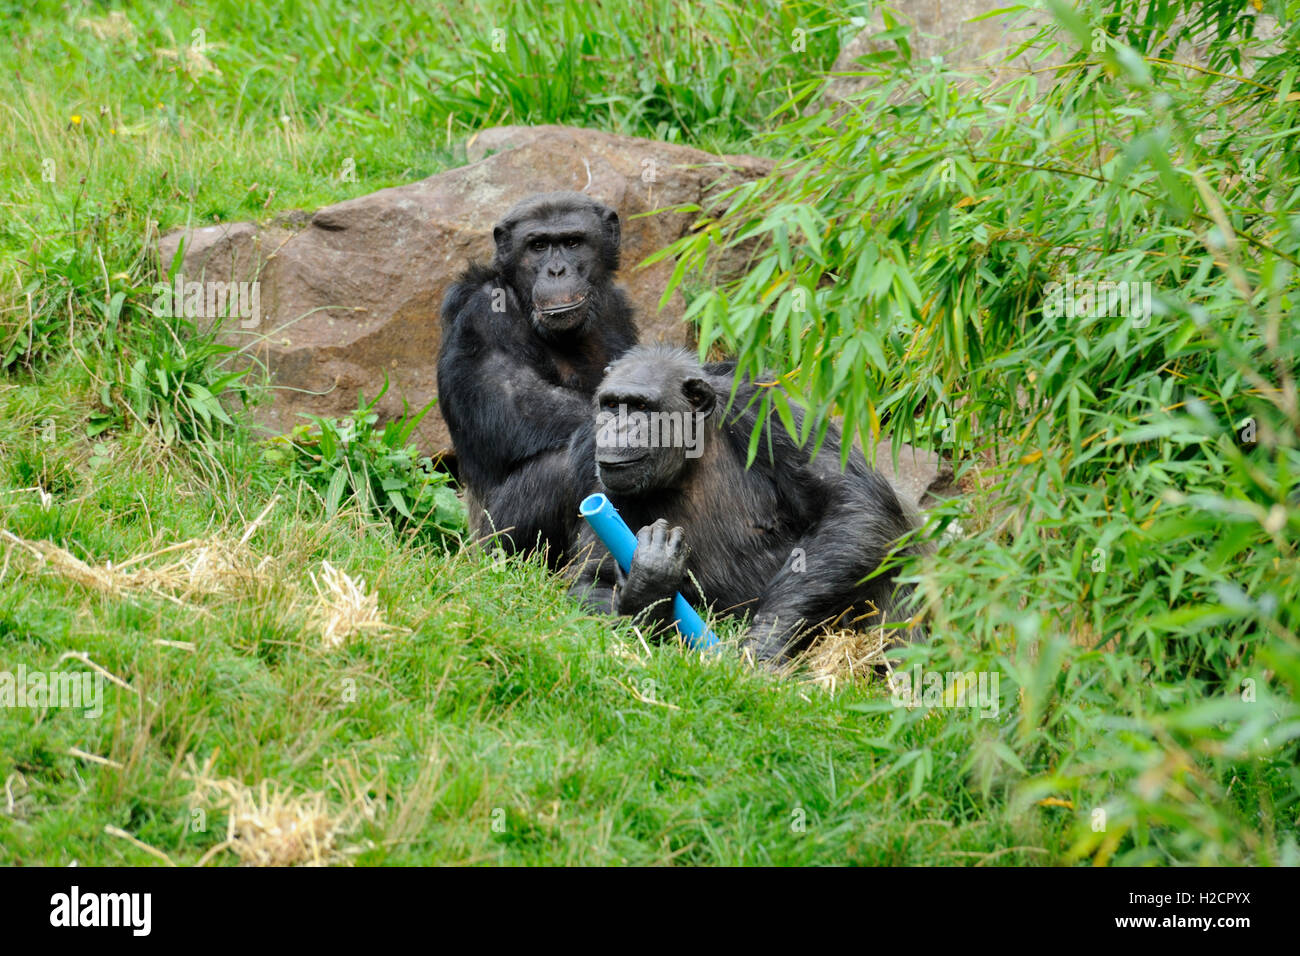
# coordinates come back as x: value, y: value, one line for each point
x: 475, y: 280
x: 481, y: 302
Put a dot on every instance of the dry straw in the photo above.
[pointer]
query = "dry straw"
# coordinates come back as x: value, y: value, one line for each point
x: 271, y: 825
x: 343, y: 608
x: 847, y: 656
x: 200, y: 566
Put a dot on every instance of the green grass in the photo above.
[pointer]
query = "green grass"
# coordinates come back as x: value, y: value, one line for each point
x: 491, y: 721
x: 268, y: 107
x: 499, y: 697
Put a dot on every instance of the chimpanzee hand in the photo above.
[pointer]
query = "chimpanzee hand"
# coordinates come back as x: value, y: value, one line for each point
x: 658, y: 566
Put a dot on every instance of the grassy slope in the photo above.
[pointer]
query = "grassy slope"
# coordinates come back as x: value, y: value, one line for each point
x: 501, y: 698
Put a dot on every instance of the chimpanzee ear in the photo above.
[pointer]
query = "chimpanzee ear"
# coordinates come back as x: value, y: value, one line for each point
x: 613, y: 227
x: 613, y: 236
x: 700, y: 394
x: 501, y: 234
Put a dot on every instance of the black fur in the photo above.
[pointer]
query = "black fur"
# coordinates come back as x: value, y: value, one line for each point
x: 730, y: 538
x: 515, y: 381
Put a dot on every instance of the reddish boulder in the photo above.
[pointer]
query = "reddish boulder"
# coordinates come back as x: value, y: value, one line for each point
x: 355, y: 294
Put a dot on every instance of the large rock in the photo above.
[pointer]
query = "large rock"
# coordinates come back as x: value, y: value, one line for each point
x: 355, y: 294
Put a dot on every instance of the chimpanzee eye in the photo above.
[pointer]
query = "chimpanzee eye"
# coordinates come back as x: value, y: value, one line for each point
x: 571, y: 242
x: 537, y: 245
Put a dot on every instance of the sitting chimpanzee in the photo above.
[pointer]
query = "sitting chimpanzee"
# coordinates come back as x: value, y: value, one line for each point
x: 524, y: 345
x: 792, y: 541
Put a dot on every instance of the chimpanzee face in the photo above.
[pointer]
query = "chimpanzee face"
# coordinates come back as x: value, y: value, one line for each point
x: 559, y: 261
x: 650, y: 425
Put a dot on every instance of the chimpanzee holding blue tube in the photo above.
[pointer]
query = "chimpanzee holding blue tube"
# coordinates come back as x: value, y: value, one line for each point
x: 794, y: 542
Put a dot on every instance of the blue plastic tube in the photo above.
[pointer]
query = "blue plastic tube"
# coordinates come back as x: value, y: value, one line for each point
x: 618, y: 537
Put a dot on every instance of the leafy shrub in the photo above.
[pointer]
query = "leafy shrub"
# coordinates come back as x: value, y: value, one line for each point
x: 680, y: 81
x: 169, y: 375
x: 67, y: 300
x: 356, y: 460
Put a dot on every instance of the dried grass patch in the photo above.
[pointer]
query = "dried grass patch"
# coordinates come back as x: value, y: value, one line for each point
x: 846, y: 656
x: 272, y: 825
x: 114, y: 26
x: 343, y: 609
x: 199, y: 566
x: 339, y: 607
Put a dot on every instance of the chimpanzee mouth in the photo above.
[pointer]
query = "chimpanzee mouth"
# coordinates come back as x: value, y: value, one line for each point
x: 621, y: 463
x: 560, y: 308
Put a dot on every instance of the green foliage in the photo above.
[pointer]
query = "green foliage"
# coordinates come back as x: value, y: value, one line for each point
x: 156, y: 114
x: 169, y: 377
x: 358, y: 461
x: 676, y: 68
x: 66, y: 300
x: 176, y: 386
x: 1132, y: 568
x: 153, y: 369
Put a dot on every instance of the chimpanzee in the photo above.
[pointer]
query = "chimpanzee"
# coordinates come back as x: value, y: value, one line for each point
x: 794, y: 542
x: 524, y: 345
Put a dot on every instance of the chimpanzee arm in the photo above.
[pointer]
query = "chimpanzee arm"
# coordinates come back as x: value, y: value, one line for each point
x: 593, y: 574
x: 658, y: 567
x: 512, y: 428
x: 507, y: 414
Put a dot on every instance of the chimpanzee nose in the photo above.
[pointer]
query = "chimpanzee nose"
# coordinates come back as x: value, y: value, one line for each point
x: 555, y: 270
